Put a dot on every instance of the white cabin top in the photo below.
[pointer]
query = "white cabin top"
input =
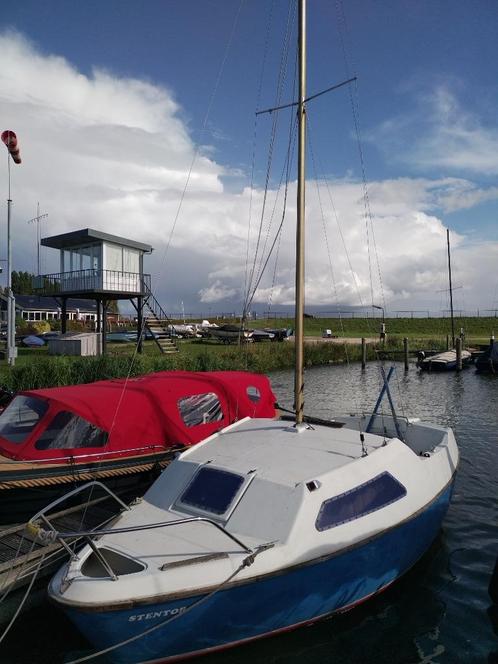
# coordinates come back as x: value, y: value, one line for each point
x: 274, y: 449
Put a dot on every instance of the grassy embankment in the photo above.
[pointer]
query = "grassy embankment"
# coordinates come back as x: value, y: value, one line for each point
x: 35, y: 368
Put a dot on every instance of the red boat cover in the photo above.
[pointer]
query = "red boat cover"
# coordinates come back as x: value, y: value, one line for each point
x: 145, y: 410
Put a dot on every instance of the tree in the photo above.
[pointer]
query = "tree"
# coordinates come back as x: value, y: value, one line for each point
x: 22, y: 283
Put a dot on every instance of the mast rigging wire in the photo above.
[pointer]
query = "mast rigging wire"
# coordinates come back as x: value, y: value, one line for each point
x: 354, y: 101
x: 203, y: 127
x: 285, y: 170
x: 253, y: 164
x: 279, y: 91
x: 290, y: 152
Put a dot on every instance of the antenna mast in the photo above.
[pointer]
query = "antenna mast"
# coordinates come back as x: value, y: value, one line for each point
x: 37, y: 220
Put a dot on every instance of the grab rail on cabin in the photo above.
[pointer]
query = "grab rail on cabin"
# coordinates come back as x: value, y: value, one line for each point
x: 52, y: 535
x: 35, y: 529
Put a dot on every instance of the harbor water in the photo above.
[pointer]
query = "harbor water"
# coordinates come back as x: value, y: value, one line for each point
x: 439, y: 613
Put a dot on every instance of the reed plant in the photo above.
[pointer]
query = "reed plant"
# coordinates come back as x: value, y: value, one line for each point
x: 261, y: 358
x: 40, y: 370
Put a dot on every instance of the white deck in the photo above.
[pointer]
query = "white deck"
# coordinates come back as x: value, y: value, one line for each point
x: 275, y: 449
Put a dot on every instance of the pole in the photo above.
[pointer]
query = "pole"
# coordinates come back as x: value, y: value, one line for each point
x: 140, y: 324
x: 104, y: 326
x: 405, y: 351
x: 39, y: 217
x: 459, y: 354
x: 11, y: 302
x: 451, y: 289
x: 363, y: 353
x: 299, y: 322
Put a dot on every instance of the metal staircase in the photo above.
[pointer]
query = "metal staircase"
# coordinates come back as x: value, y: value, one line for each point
x: 158, y: 323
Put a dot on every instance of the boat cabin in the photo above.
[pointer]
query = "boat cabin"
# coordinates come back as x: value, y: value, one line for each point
x: 109, y: 418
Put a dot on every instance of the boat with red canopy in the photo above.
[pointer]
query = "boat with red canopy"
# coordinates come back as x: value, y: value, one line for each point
x: 122, y: 431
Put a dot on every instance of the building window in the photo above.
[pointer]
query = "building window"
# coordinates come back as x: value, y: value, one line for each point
x: 114, y: 258
x: 360, y: 501
x: 131, y: 261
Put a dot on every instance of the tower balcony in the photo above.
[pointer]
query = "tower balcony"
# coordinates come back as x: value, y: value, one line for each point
x: 90, y: 283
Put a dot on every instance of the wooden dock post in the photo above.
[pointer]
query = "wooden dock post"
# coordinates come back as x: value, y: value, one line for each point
x: 458, y: 345
x: 405, y: 352
x: 363, y: 352
x: 447, y: 342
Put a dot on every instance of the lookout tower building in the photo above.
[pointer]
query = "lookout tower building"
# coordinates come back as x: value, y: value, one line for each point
x: 101, y: 267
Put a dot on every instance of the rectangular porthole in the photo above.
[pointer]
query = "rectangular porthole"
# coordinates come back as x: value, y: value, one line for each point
x: 360, y: 501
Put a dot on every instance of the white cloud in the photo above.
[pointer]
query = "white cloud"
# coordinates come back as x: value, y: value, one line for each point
x: 216, y: 292
x: 439, y: 133
x: 113, y: 154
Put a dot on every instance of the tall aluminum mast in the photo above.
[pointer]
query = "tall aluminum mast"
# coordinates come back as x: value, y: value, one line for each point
x: 299, y: 322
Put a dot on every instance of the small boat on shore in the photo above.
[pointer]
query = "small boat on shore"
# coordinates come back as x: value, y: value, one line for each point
x: 229, y: 333
x: 121, y: 432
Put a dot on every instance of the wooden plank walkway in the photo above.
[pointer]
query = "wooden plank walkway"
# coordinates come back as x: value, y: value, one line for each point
x: 20, y: 554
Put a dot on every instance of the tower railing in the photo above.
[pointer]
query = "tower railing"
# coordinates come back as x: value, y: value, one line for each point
x: 86, y: 281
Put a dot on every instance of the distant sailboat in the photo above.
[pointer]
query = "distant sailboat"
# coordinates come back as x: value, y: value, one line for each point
x: 448, y: 360
x: 264, y: 526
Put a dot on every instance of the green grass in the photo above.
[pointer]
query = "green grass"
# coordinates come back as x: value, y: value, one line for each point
x: 34, y: 368
x: 413, y: 328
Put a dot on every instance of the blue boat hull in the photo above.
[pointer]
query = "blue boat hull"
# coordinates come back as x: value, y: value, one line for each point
x: 269, y: 604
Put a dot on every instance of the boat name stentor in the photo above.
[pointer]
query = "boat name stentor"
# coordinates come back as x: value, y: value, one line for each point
x: 157, y: 614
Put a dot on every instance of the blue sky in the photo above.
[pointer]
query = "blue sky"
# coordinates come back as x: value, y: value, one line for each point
x: 140, y: 78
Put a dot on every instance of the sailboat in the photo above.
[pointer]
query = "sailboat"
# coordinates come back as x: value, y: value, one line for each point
x: 265, y: 526
x: 448, y: 360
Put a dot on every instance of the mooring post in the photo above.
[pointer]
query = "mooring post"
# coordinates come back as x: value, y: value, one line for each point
x: 447, y: 342
x: 363, y: 352
x: 405, y: 352
x: 458, y: 344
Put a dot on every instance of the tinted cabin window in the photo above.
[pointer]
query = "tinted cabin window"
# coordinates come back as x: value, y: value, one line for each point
x: 68, y: 431
x: 364, y: 499
x: 212, y: 490
x: 20, y: 418
x: 253, y: 393
x: 200, y: 409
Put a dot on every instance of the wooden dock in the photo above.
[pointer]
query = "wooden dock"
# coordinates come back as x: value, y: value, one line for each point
x: 21, y: 554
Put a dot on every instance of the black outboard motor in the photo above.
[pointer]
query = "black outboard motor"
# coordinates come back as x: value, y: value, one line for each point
x: 420, y: 357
